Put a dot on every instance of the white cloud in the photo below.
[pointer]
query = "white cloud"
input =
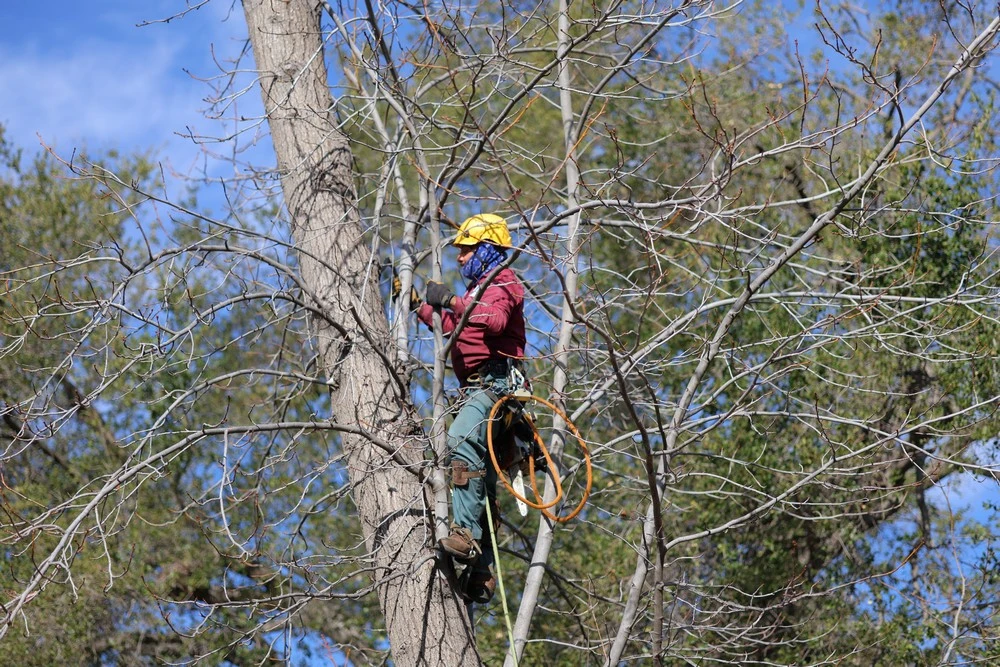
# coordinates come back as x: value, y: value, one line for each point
x: 100, y: 93
x: 111, y: 84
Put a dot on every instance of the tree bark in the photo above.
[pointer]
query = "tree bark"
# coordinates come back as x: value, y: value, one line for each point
x: 425, y: 621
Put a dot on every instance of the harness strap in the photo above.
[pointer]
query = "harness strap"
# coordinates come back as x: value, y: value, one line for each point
x: 460, y: 473
x: 493, y: 369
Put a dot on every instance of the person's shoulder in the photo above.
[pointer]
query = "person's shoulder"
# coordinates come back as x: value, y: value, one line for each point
x: 510, y: 283
x: 504, y: 283
x: 507, y: 273
x: 504, y: 276
x: 507, y: 277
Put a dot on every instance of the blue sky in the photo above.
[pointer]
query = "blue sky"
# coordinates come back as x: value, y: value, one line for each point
x: 88, y: 75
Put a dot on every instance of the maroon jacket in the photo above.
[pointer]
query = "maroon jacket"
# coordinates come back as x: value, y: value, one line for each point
x: 495, y: 329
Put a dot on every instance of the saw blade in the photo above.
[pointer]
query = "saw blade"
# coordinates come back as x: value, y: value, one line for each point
x: 519, y: 490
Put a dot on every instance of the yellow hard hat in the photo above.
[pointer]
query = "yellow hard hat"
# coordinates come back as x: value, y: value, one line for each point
x: 483, y: 228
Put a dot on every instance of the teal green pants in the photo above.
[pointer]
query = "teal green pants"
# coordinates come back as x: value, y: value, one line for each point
x: 467, y: 442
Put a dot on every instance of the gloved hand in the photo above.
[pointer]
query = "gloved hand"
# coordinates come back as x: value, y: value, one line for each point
x: 397, y: 287
x: 438, y: 294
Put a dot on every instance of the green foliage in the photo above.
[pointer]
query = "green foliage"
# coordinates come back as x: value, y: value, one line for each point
x: 92, y: 385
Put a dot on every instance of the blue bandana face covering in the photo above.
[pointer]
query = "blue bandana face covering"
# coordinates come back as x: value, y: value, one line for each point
x: 485, y: 258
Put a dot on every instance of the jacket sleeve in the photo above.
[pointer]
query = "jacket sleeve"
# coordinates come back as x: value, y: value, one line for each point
x: 425, y: 313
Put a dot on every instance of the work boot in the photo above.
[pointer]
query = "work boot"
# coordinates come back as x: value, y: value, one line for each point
x: 481, y: 586
x: 460, y: 545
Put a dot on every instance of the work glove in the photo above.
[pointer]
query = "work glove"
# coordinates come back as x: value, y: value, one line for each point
x: 397, y: 287
x: 439, y: 295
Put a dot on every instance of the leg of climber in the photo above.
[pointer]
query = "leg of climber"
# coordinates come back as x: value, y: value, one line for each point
x: 472, y: 473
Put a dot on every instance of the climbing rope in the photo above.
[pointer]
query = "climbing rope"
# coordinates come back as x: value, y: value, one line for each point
x: 539, y: 503
x: 503, y: 593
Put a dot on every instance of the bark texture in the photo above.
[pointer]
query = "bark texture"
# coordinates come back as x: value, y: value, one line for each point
x: 426, y: 623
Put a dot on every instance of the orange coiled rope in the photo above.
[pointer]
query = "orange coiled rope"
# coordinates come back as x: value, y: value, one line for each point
x: 553, y: 472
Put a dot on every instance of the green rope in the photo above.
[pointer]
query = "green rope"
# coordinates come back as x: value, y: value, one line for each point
x: 503, y: 595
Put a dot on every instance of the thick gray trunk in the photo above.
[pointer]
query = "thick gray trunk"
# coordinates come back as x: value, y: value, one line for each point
x: 425, y: 622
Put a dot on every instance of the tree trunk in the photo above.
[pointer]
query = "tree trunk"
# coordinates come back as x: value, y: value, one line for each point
x: 425, y: 621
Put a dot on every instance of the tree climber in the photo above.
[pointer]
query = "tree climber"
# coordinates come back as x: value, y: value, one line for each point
x: 487, y: 347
